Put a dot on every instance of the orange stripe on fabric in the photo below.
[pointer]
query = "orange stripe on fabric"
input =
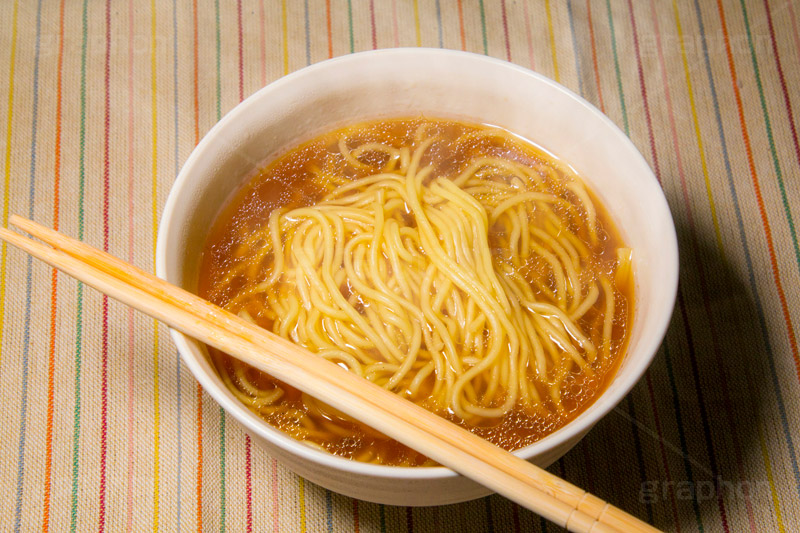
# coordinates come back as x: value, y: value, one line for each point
x: 330, y: 31
x: 199, y: 396
x: 759, y: 198
x: 199, y: 491
x: 416, y: 23
x: 461, y: 31
x: 154, y: 236
x: 51, y: 353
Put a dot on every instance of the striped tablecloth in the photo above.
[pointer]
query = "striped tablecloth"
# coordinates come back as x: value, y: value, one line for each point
x: 102, y: 426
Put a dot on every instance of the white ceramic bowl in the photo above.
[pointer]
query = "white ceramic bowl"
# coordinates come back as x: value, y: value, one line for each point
x: 437, y: 83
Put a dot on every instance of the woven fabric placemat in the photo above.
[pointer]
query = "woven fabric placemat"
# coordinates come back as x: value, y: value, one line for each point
x: 103, y: 428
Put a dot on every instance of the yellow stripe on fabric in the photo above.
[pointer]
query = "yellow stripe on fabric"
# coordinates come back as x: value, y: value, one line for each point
x: 693, y: 107
x: 552, y: 40
x: 7, y: 178
x: 285, y: 31
x: 768, y: 468
x: 301, y: 494
x: 156, y: 399
x: 416, y: 23
x: 718, y: 234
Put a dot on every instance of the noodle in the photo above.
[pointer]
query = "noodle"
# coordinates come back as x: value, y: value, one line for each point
x: 477, y: 290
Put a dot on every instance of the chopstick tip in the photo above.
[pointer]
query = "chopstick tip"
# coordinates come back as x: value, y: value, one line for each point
x: 16, y: 220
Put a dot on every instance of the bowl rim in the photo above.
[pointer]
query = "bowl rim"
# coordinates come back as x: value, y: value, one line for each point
x: 563, y: 435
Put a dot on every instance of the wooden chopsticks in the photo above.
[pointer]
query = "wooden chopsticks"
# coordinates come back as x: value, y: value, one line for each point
x: 442, y: 441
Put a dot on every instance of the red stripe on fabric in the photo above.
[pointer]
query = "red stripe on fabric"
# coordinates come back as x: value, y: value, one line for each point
x: 356, y: 518
x: 643, y: 89
x: 505, y: 29
x: 106, y: 185
x: 594, y: 55
x: 786, y: 101
x: 51, y: 352
x: 248, y: 478
x: 528, y: 35
x: 372, y: 22
x: 410, y: 519
x: 757, y: 189
x: 276, y: 525
x: 461, y: 30
x: 663, y: 450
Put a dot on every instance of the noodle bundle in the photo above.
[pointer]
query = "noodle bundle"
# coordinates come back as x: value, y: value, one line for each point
x: 471, y: 284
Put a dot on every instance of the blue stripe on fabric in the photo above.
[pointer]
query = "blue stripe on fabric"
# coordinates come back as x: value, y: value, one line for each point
x: 487, y: 503
x: 637, y: 446
x: 578, y: 65
x: 439, y: 23
x: 27, y: 321
x: 745, y: 248
x: 329, y: 510
x: 23, y: 399
x: 676, y: 405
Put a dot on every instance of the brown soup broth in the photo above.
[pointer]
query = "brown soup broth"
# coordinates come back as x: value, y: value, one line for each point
x: 287, y: 183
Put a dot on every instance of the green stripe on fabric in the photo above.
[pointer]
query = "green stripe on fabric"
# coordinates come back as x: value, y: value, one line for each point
x: 76, y: 423
x: 350, y: 24
x: 617, y: 69
x: 770, y: 138
x: 222, y: 436
x: 483, y: 29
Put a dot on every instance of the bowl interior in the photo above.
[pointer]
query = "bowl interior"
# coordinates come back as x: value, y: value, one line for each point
x: 436, y: 83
